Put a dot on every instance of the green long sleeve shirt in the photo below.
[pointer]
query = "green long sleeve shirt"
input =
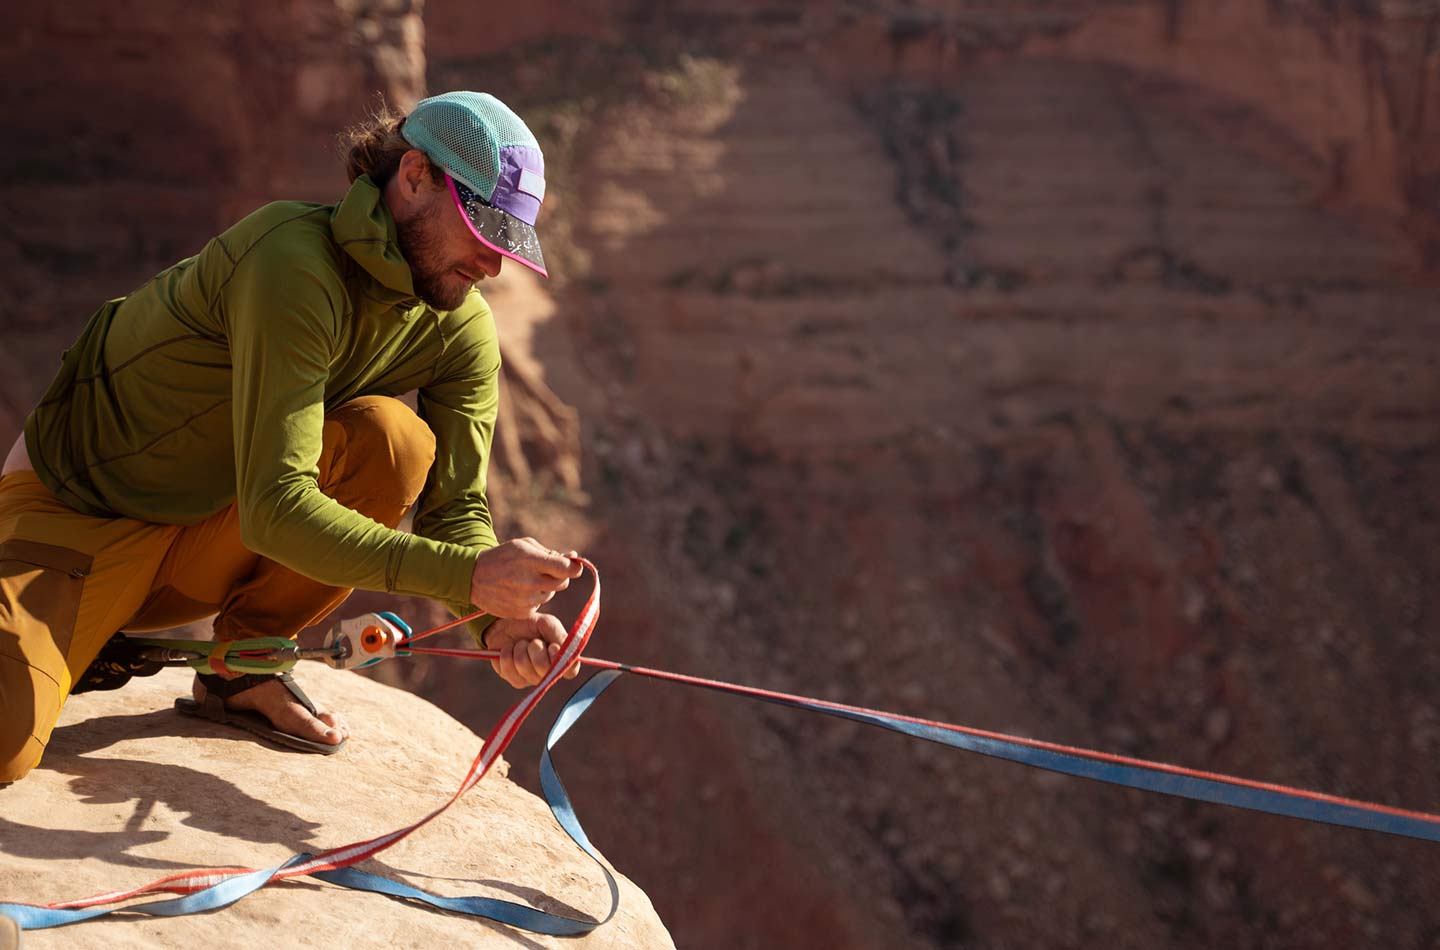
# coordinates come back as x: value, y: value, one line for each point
x: 209, y: 384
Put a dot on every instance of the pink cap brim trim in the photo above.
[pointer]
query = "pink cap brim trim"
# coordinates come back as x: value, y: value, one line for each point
x: 460, y: 207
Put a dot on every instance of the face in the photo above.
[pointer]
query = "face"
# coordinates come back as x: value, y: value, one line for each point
x: 445, y: 259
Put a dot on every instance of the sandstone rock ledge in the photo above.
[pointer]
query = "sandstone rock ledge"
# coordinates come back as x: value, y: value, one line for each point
x: 131, y: 791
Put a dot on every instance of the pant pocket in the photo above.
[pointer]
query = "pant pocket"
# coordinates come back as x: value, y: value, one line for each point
x: 40, y: 588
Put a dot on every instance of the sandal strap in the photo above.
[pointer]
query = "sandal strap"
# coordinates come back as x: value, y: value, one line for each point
x: 223, y: 688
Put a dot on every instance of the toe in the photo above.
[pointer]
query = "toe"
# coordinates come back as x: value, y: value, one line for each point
x: 297, y: 721
x: 276, y: 703
x: 336, y: 722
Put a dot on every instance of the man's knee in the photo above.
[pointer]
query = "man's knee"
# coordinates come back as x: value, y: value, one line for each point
x: 387, y: 441
x: 18, y: 755
x: 20, y: 721
x: 30, y: 701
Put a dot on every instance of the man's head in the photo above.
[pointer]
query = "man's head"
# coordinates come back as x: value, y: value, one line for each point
x: 463, y: 178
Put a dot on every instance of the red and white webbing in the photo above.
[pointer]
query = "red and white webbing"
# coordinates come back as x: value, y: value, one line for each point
x: 355, y: 852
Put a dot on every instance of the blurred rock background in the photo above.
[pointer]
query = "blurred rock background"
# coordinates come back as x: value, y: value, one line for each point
x: 1066, y: 368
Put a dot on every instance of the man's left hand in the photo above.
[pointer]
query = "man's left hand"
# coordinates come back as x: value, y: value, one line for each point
x: 527, y: 648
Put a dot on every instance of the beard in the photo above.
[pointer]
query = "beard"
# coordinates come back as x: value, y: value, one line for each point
x: 435, y: 280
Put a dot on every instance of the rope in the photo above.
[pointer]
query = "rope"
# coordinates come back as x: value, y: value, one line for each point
x: 1142, y: 774
x: 211, y: 888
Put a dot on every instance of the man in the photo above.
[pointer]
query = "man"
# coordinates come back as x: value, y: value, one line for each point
x: 226, y: 439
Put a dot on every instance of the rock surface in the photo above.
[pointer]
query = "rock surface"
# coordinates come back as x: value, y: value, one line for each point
x: 1352, y: 86
x: 1053, y: 367
x: 130, y: 791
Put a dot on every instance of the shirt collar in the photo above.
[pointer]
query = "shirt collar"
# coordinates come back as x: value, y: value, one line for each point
x: 365, y: 229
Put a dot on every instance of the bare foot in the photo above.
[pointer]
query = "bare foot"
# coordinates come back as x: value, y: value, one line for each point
x: 277, y: 704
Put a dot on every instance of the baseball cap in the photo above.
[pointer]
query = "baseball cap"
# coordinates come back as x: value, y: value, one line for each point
x: 493, y: 168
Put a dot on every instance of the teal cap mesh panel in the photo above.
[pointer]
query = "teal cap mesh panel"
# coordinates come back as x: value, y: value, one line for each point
x: 464, y: 132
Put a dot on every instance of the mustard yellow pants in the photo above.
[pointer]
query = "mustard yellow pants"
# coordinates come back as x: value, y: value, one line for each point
x: 70, y: 581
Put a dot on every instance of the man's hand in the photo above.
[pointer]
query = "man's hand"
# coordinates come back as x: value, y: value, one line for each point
x: 527, y: 648
x: 514, y: 579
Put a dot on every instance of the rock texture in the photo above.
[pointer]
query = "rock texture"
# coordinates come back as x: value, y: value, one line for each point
x: 1351, y: 85
x: 1064, y: 368
x: 1339, y: 94
x: 1346, y: 87
x: 140, y: 132
x: 1016, y: 385
x: 130, y: 791
x: 164, y: 124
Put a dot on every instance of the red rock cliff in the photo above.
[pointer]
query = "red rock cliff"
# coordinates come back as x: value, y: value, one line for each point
x: 1044, y: 367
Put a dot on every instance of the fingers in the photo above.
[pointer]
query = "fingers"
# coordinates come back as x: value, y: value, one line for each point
x: 549, y: 562
x: 539, y: 659
x: 517, y: 601
x: 563, y: 565
x: 525, y: 661
x: 549, y: 628
x: 522, y: 600
x: 519, y: 576
x: 572, y: 671
x: 505, y: 666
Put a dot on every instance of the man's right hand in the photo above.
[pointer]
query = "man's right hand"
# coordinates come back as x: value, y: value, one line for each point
x: 515, y: 578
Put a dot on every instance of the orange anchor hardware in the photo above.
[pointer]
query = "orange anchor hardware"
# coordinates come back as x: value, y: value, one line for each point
x: 364, y: 640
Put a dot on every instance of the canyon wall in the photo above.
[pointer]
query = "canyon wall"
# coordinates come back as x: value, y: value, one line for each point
x: 1058, y: 368
x: 1051, y: 368
x: 140, y: 130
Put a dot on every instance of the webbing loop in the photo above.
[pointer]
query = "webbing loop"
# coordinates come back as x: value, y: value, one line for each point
x: 211, y: 888
x: 217, y: 887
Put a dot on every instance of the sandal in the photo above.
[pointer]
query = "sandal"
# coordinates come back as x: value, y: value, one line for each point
x: 118, y: 661
x: 213, y: 708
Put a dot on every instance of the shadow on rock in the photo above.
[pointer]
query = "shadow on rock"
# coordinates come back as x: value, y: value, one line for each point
x: 113, y: 847
x: 209, y: 803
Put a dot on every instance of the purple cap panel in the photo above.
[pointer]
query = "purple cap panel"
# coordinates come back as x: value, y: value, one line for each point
x: 520, y: 185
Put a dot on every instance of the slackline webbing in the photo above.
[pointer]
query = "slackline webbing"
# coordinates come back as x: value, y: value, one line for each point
x: 217, y: 887
x: 211, y: 888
